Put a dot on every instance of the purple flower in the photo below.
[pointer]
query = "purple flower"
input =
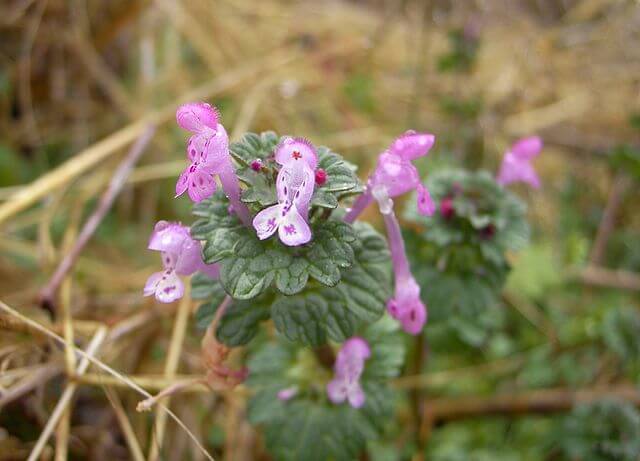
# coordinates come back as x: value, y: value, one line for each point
x: 294, y: 186
x: 181, y: 255
x: 348, y: 369
x: 295, y: 150
x: 208, y: 150
x: 287, y: 393
x: 516, y: 164
x: 397, y: 174
x: 406, y: 305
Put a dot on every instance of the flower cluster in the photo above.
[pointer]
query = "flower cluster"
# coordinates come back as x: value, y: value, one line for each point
x: 208, y: 151
x: 181, y: 255
x: 348, y: 369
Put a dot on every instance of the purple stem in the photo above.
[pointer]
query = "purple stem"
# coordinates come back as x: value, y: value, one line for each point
x: 359, y: 205
x: 231, y: 188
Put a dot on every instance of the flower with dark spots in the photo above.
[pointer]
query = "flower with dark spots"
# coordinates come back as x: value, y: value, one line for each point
x: 397, y: 174
x: 181, y: 255
x: 348, y: 369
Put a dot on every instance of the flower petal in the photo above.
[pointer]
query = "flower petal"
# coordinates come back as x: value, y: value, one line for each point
x: 412, y: 145
x: 215, y: 154
x: 425, y: 203
x: 168, y: 236
x: 183, y: 181
x: 197, y: 116
x: 296, y: 149
x: 190, y: 258
x: 396, y: 174
x: 527, y: 148
x: 356, y: 395
x: 337, y: 390
x: 293, y: 229
x: 266, y: 222
x: 169, y: 288
x: 414, y: 318
x: 152, y: 283
x: 201, y: 186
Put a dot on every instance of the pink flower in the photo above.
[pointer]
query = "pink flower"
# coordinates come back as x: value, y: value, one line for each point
x: 296, y: 150
x: 287, y: 393
x: 208, y: 150
x: 406, y: 305
x: 294, y: 186
x: 348, y: 369
x: 397, y: 174
x: 181, y: 255
x: 516, y: 164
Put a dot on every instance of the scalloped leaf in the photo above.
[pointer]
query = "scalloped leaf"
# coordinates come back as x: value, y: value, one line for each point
x: 309, y: 427
x: 361, y: 296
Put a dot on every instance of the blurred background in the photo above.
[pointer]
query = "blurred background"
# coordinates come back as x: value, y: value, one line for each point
x: 81, y: 80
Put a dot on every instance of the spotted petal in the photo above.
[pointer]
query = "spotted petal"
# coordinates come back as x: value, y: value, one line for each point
x: 295, y: 150
x: 293, y: 229
x: 201, y: 185
x: 266, y: 222
x: 166, y: 286
x: 426, y: 206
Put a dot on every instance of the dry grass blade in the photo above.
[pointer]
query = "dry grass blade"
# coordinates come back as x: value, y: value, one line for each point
x: 106, y: 368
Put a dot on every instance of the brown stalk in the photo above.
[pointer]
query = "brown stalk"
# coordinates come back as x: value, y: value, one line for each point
x: 47, y: 295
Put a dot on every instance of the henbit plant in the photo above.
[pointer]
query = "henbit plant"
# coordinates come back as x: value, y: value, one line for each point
x: 324, y: 279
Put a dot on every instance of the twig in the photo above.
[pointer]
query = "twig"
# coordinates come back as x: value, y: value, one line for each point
x: 621, y: 184
x: 599, y: 276
x: 524, y: 403
x: 33, y: 380
x: 125, y: 425
x: 48, y: 293
x: 102, y: 149
x: 104, y: 367
x: 67, y: 395
x: 171, y: 367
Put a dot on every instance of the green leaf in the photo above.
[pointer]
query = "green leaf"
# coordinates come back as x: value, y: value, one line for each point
x: 340, y: 175
x: 309, y: 427
x: 249, y: 266
x: 219, y: 230
x: 203, y: 287
x: 253, y: 146
x: 360, y: 297
x: 240, y: 322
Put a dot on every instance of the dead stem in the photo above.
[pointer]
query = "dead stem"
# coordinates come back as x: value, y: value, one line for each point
x: 48, y: 293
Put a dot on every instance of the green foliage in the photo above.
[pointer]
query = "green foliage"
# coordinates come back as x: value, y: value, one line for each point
x: 536, y: 271
x: 309, y: 427
x: 626, y: 158
x: 462, y: 53
x: 261, y: 191
x: 462, y: 253
x: 607, y: 430
x: 359, y: 90
x: 249, y: 266
x: 621, y: 333
x: 358, y: 273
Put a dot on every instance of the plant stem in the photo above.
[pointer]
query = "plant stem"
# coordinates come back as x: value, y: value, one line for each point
x: 47, y: 296
x: 325, y: 355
